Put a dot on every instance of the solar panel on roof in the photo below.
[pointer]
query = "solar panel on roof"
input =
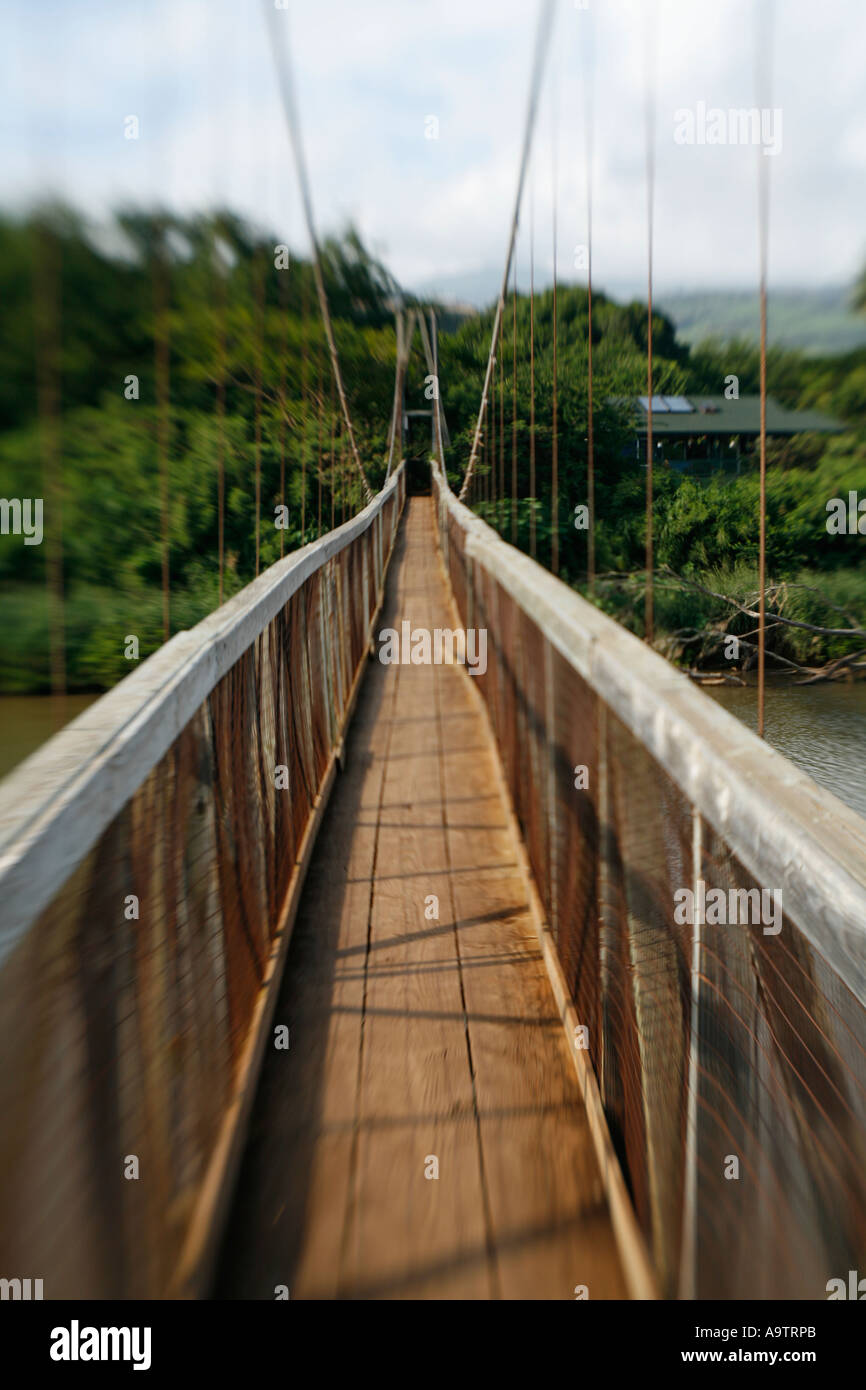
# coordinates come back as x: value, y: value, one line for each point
x: 678, y: 405
x: 659, y: 406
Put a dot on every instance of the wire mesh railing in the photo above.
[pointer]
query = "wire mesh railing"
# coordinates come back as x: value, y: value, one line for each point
x: 150, y: 857
x: 708, y: 905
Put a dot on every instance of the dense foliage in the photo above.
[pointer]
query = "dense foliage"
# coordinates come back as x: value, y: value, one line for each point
x: 704, y: 530
x: 248, y: 379
x: 83, y: 316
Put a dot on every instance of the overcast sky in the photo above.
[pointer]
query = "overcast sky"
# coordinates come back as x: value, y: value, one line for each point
x: 199, y: 76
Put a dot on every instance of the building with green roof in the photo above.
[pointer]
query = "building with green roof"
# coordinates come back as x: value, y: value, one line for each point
x: 708, y: 434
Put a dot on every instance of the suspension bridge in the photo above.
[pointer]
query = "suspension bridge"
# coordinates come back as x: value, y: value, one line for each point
x: 323, y: 976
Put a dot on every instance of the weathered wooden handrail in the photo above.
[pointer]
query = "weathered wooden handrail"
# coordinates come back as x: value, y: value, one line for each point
x: 151, y: 858
x: 711, y: 1038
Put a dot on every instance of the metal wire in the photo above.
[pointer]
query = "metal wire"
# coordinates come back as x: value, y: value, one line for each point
x: 651, y: 41
x: 48, y: 350
x: 278, y: 37
x: 542, y: 38
x: 493, y: 454
x: 532, y: 521
x: 259, y: 296
x: 162, y: 368
x: 763, y: 56
x: 514, y: 405
x: 305, y: 399
x: 502, y: 493
x: 589, y: 126
x: 221, y: 332
x: 554, y: 439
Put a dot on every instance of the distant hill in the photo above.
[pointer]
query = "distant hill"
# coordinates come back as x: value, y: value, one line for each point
x: 471, y: 288
x: 820, y: 321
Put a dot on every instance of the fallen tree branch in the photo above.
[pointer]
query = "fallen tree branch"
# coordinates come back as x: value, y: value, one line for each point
x: 829, y: 671
x: 751, y: 613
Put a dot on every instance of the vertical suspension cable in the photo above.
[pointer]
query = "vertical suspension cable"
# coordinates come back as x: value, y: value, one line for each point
x: 532, y: 535
x: 484, y: 486
x: 501, y: 438
x: 320, y: 389
x: 762, y: 541
x: 258, y: 272
x: 400, y: 328
x: 542, y: 38
x: 438, y: 407
x: 221, y: 271
x: 650, y: 192
x: 514, y: 403
x: 333, y: 450
x: 491, y: 457
x: 222, y: 312
x: 283, y: 406
x: 554, y: 443
x: 162, y: 353
x: 590, y: 452
x: 286, y: 86
x: 491, y: 405
x: 47, y: 287
x: 589, y: 114
x: 407, y: 351
x: 343, y: 488
x: 763, y: 41
x: 480, y: 484
x: 485, y: 482
x: 305, y: 402
x: 554, y: 472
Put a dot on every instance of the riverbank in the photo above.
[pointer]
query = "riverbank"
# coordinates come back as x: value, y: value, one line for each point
x: 833, y: 673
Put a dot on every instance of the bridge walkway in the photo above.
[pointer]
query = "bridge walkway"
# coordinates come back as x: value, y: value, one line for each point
x: 412, y: 1037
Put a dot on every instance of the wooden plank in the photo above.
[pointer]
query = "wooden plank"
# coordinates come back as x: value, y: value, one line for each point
x: 580, y: 1192
x: 551, y: 1230
x: 632, y: 1263
x: 410, y: 1235
x: 427, y: 1037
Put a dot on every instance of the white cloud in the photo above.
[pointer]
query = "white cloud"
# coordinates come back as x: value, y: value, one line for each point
x: 198, y: 72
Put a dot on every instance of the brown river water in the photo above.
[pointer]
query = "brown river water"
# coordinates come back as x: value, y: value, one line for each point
x: 26, y: 721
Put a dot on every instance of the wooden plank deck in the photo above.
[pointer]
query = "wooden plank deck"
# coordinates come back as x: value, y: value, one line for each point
x: 413, y: 1038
